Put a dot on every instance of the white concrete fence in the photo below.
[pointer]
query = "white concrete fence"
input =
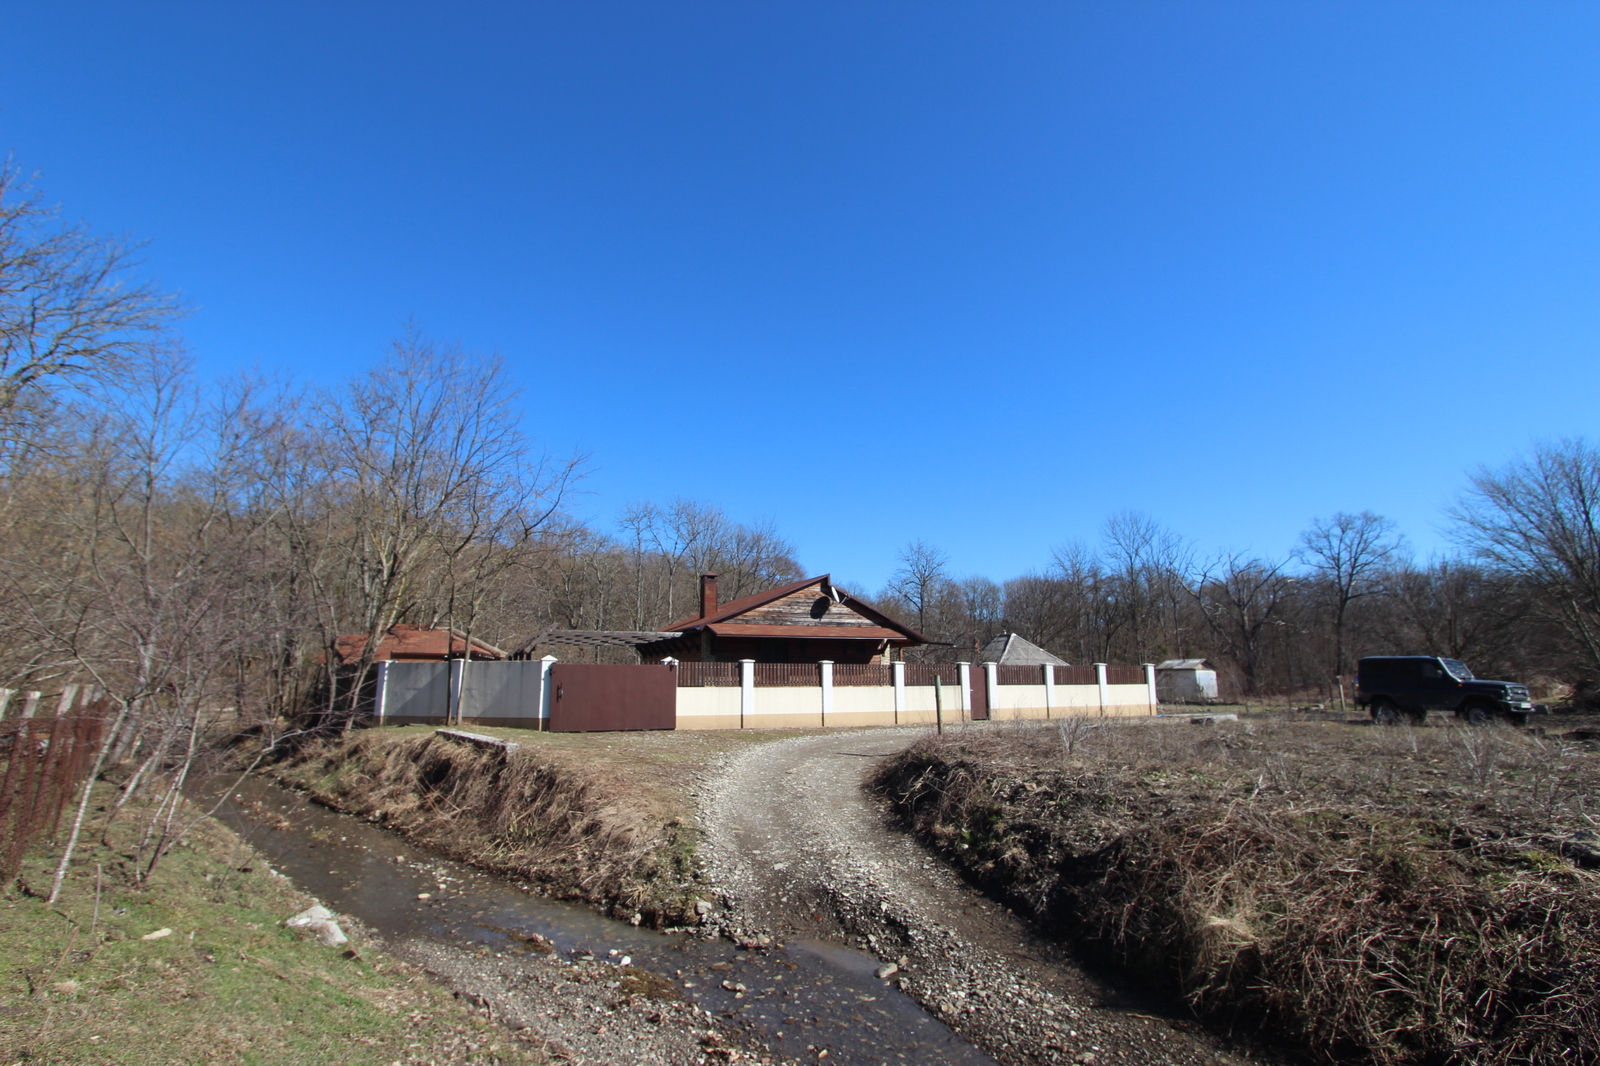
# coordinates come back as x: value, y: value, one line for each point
x: 749, y: 695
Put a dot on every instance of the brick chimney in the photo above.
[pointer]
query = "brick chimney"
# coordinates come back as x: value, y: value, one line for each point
x: 708, y: 594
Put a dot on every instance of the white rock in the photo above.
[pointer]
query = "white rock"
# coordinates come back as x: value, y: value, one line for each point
x: 157, y: 935
x: 887, y: 971
x: 308, y: 917
x: 329, y: 934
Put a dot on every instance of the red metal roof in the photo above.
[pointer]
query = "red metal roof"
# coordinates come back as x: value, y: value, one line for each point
x: 404, y: 642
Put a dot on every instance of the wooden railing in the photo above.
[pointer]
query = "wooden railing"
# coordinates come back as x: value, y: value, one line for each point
x: 1075, y: 675
x: 862, y: 674
x: 708, y: 675
x: 924, y: 673
x: 788, y: 675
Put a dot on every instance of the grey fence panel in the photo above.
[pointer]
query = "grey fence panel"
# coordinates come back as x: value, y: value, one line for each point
x: 502, y: 690
x: 415, y: 690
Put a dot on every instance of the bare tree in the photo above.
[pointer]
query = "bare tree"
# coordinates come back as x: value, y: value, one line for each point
x: 1539, y: 519
x: 69, y: 304
x: 1241, y: 598
x: 920, y: 577
x: 1350, y: 554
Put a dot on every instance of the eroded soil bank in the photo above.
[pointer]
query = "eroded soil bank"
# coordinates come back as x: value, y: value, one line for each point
x: 578, y: 830
x: 1388, y: 895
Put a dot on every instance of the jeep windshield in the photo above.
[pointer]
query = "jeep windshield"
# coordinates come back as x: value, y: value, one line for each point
x: 1458, y: 669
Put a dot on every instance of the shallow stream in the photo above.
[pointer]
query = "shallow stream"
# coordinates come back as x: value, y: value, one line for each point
x: 798, y: 999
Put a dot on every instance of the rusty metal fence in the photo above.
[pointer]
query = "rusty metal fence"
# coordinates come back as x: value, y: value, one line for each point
x: 44, y: 761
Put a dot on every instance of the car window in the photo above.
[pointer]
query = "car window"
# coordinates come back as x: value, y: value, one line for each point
x: 1458, y: 669
x: 1431, y: 671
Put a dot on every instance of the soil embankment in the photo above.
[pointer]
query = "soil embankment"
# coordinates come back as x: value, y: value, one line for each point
x: 577, y: 830
x: 1389, y: 895
x: 798, y: 849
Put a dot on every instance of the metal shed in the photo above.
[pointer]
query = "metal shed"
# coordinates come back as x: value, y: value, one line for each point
x: 1186, y: 681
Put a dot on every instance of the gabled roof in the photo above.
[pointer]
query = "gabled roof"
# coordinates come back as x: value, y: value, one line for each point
x: 1185, y: 664
x: 404, y: 641
x: 728, y: 612
x: 1009, y: 649
x: 588, y: 638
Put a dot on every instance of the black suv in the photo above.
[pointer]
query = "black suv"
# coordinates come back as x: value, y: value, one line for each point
x: 1413, y: 685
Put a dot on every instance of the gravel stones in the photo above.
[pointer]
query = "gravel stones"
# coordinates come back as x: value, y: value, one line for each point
x: 798, y: 849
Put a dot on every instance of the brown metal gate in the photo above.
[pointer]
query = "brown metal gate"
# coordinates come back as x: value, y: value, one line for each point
x: 978, y: 692
x: 592, y: 697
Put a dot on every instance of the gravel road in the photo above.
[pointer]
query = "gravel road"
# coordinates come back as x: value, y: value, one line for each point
x: 799, y: 850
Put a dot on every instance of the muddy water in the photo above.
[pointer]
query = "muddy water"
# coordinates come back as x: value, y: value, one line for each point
x: 799, y: 999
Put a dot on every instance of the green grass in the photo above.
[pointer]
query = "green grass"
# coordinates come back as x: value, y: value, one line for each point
x: 230, y: 984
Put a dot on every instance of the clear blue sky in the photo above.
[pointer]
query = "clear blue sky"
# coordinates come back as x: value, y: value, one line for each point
x: 976, y: 273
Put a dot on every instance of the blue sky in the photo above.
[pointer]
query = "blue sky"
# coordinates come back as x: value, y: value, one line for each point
x: 979, y: 274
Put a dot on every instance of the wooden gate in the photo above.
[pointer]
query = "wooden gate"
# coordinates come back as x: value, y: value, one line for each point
x: 592, y: 697
x: 978, y: 692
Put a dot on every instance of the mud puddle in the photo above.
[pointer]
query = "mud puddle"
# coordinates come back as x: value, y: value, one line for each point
x: 799, y: 1000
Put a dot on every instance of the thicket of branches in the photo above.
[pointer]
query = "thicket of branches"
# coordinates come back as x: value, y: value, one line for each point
x: 1521, y: 598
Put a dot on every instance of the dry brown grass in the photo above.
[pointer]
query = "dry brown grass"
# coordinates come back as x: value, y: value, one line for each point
x: 579, y: 829
x: 1393, y: 895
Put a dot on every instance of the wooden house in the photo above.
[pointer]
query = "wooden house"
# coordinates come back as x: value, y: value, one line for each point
x: 809, y: 621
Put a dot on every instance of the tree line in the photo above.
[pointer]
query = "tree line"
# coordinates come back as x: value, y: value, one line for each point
x: 1513, y: 601
x: 194, y: 548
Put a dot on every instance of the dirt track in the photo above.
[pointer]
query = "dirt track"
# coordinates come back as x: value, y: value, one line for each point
x: 799, y: 850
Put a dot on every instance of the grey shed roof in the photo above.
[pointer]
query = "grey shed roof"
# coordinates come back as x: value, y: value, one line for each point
x: 1186, y: 664
x: 1012, y: 650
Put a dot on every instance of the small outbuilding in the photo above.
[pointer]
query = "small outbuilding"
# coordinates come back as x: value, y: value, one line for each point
x: 1186, y: 681
x: 1009, y: 649
x: 405, y: 643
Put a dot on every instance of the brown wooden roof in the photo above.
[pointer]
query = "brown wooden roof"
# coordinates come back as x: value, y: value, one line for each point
x: 404, y: 642
x: 723, y: 620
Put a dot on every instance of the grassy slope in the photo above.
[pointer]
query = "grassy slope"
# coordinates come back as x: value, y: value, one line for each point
x: 229, y: 985
x: 1392, y: 895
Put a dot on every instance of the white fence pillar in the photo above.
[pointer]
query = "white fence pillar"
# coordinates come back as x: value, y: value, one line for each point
x: 5, y: 700
x: 991, y: 686
x: 383, y: 689
x: 826, y: 668
x: 64, y: 704
x: 898, y: 671
x: 964, y: 683
x: 1150, y: 687
x: 1100, y: 682
x: 546, y: 690
x: 30, y: 703
x: 1049, y: 688
x: 747, y: 689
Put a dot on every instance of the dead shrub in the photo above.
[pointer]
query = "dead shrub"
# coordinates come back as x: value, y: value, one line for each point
x: 1392, y: 896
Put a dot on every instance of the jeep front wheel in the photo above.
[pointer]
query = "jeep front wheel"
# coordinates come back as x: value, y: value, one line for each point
x: 1477, y: 714
x: 1384, y: 713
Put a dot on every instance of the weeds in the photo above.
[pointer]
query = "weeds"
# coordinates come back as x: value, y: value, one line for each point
x: 1396, y: 896
x: 583, y: 832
